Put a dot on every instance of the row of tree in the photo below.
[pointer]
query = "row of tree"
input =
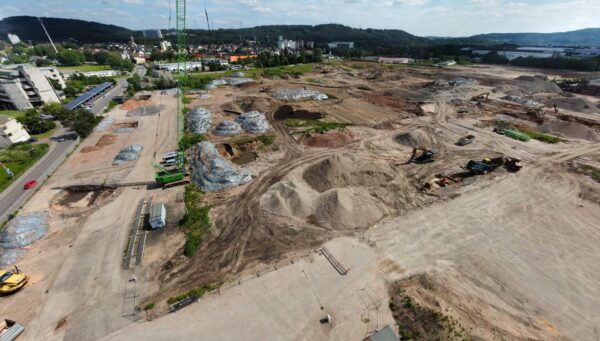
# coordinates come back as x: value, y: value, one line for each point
x: 80, y: 120
x: 578, y: 64
x: 269, y: 59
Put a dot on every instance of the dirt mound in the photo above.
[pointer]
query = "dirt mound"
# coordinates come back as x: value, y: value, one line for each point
x: 572, y: 103
x: 330, y: 139
x: 126, y: 125
x: 146, y: 110
x: 105, y: 140
x: 287, y: 111
x: 133, y: 104
x: 396, y: 103
x: 530, y: 85
x: 346, y: 208
x: 416, y: 138
x: 246, y: 104
x: 570, y: 129
x: 81, y: 198
x: 347, y: 170
x: 289, y: 199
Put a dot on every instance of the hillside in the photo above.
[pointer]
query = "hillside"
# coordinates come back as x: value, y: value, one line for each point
x: 585, y: 37
x: 29, y: 28
x: 320, y: 34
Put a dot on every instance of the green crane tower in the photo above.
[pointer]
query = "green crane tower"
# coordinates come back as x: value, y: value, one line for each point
x: 182, y: 55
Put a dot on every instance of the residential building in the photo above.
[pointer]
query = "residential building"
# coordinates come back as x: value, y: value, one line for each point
x: 165, y: 45
x: 103, y: 73
x: 13, y: 38
x: 154, y: 34
x: 52, y: 73
x: 24, y: 87
x: 341, y: 45
x: 176, y: 66
x: 11, y: 131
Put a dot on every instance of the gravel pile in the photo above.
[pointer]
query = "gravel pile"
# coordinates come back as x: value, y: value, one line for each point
x: 299, y: 94
x: 104, y: 124
x: 522, y: 101
x: 147, y: 110
x: 21, y: 232
x: 227, y: 128
x: 253, y: 122
x: 129, y: 153
x: 199, y: 121
x: 238, y: 81
x: 212, y: 173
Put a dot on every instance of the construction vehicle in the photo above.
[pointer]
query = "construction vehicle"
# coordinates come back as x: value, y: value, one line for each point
x: 10, y: 330
x: 514, y: 134
x: 169, y: 177
x: 512, y: 164
x: 11, y: 282
x: 539, y: 112
x: 465, y: 140
x: 480, y: 97
x: 420, y: 156
x: 484, y: 166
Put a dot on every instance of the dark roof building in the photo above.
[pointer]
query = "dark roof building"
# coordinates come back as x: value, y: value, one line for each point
x: 385, y: 334
x: 88, y: 96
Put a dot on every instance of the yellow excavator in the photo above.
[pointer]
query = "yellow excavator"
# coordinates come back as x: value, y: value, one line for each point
x: 12, y: 281
x: 481, y: 97
x: 539, y: 112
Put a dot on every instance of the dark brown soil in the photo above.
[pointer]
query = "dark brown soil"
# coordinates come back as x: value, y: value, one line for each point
x: 287, y: 111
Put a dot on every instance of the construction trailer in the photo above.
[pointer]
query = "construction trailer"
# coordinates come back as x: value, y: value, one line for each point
x: 158, y: 216
x: 10, y: 330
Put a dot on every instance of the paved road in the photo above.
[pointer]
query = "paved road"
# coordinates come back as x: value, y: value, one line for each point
x: 14, y: 196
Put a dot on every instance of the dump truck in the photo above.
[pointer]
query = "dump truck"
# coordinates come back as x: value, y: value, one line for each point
x: 465, y: 140
x: 10, y: 282
x: 421, y: 155
x: 484, y: 166
x: 9, y: 330
x: 514, y: 134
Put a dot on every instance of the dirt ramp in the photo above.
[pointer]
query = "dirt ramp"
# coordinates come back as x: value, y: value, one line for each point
x: 344, y: 208
x: 347, y: 170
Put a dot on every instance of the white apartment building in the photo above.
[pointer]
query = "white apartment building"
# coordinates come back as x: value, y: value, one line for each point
x: 24, y: 87
x: 52, y: 73
x: 13, y: 38
x: 11, y: 131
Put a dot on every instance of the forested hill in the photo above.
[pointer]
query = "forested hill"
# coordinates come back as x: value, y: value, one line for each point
x: 585, y: 37
x: 62, y: 30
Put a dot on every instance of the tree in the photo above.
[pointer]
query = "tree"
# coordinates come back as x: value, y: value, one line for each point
x: 34, y: 124
x: 101, y: 57
x: 70, y: 91
x: 55, y: 84
x: 71, y: 58
x: 83, y: 121
x: 89, y: 56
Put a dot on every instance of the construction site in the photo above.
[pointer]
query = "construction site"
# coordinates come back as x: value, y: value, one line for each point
x: 449, y: 203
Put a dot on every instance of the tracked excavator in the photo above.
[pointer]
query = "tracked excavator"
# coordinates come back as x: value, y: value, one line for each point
x: 539, y: 112
x: 421, y: 155
x: 480, y: 97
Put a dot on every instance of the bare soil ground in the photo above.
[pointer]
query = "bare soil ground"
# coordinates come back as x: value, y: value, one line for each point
x: 494, y: 256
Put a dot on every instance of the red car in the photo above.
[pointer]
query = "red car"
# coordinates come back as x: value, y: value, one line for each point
x: 30, y: 184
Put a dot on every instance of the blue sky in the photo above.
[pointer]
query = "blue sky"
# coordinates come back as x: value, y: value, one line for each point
x: 420, y: 17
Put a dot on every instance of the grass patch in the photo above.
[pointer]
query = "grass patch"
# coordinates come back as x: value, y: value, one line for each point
x: 196, y: 222
x: 314, y: 81
x: 186, y: 100
x: 85, y: 68
x: 45, y: 135
x: 13, y: 113
x: 197, y: 292
x: 331, y: 96
x: 591, y: 171
x: 190, y: 140
x: 266, y: 140
x: 19, y: 158
x: 150, y: 306
x: 536, y: 135
x: 316, y: 126
x: 111, y: 105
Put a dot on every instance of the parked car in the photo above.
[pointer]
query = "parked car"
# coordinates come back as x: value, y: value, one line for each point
x: 30, y: 184
x: 32, y: 140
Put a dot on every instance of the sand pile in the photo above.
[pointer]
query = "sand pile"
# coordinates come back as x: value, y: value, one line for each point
x: 105, y: 140
x: 347, y: 208
x: 227, y: 128
x: 253, y: 122
x: 129, y: 153
x: 330, y: 139
x: 259, y: 104
x: 347, y: 170
x: 419, y: 138
x: 211, y: 172
x: 133, y: 104
x: 199, y: 121
x: 290, y: 199
x: 569, y: 129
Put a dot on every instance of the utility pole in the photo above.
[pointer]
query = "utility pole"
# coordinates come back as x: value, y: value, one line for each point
x: 180, y: 16
x: 48, y: 35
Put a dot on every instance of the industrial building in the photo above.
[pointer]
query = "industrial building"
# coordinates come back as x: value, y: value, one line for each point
x: 388, y: 60
x: 103, y: 73
x: 512, y: 55
x: 176, y: 66
x: 13, y: 38
x: 154, y: 34
x: 341, y: 45
x: 11, y: 131
x: 24, y: 87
